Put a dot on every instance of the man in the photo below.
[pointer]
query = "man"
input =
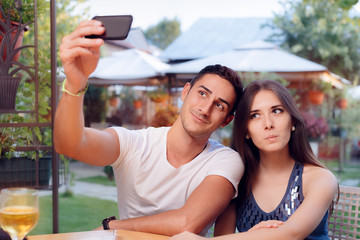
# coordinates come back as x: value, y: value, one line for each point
x: 169, y: 179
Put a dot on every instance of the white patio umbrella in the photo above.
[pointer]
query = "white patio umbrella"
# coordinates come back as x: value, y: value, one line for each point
x: 128, y: 67
x: 354, y: 92
x: 257, y: 57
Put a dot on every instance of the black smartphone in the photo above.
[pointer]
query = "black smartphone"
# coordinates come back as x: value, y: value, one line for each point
x: 117, y: 27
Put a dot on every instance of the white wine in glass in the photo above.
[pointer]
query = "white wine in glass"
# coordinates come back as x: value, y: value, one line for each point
x: 19, y: 211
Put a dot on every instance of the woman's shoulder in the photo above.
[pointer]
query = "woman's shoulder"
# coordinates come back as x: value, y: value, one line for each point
x: 315, y: 177
x: 316, y: 171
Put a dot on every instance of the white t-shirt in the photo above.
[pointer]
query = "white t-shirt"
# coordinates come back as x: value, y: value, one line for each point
x: 148, y: 184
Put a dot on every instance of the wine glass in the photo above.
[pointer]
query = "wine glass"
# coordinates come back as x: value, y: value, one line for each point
x: 19, y: 211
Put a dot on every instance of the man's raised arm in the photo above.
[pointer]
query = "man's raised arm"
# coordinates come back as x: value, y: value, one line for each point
x: 79, y: 58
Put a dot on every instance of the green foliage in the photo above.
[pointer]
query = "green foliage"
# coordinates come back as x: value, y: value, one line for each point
x: 11, y: 137
x: 66, y: 21
x: 127, y: 113
x: 23, y: 9
x: 8, y: 139
x: 248, y: 77
x: 346, y: 4
x: 321, y: 85
x: 10, y: 67
x: 108, y: 170
x: 95, y: 104
x: 321, y: 31
x: 350, y: 171
x: 158, y: 95
x: 164, y: 33
x: 349, y: 118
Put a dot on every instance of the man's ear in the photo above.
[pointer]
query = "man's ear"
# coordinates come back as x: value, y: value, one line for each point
x: 227, y: 120
x: 185, y: 91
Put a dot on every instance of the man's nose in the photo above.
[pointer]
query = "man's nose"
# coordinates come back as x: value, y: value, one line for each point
x: 205, y: 107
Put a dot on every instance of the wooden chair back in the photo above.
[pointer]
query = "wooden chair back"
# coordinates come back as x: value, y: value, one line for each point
x: 344, y: 223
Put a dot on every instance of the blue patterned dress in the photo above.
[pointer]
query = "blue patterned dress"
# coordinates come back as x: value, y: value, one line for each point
x: 251, y: 214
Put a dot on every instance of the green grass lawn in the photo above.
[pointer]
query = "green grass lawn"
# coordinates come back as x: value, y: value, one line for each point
x: 76, y: 213
x: 350, y: 171
x: 98, y: 180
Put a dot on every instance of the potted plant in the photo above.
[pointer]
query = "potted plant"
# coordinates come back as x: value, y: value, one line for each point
x: 165, y: 116
x: 318, y: 89
x: 316, y: 127
x: 18, y: 166
x: 10, y: 76
x: 138, y: 103
x: 158, y: 96
x: 340, y: 99
x: 15, y: 18
x: 22, y: 168
x: 21, y: 11
x: 114, y: 100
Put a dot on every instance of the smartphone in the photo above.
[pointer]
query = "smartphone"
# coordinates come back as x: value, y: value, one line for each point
x: 117, y: 27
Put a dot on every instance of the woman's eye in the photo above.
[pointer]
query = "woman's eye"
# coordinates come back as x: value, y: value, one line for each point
x: 278, y: 110
x: 254, y: 115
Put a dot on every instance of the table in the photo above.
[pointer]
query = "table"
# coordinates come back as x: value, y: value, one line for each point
x: 100, y: 235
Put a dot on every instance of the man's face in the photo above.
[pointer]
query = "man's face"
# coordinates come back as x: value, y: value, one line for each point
x: 207, y: 105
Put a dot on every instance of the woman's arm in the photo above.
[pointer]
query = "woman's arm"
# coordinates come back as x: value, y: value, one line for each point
x: 320, y: 187
x: 225, y: 223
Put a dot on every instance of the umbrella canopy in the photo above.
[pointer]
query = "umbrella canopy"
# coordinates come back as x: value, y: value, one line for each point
x: 258, y: 56
x: 255, y: 57
x: 354, y: 92
x: 128, y: 67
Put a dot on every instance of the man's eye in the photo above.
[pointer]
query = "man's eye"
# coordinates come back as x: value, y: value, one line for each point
x: 220, y: 106
x: 202, y: 93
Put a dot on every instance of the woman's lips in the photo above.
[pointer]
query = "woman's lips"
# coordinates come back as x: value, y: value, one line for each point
x: 271, y: 137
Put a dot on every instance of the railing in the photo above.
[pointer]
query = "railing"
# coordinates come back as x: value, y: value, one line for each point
x: 23, y: 128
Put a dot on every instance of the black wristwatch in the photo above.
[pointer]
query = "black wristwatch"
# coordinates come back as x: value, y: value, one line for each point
x: 106, y: 221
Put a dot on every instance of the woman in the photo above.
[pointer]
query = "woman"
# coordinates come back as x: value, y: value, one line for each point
x: 285, y: 193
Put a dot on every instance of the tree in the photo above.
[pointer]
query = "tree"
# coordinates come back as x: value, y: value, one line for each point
x: 164, y: 33
x: 321, y: 31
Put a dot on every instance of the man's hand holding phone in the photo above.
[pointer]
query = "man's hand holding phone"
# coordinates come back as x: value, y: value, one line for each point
x: 80, y: 55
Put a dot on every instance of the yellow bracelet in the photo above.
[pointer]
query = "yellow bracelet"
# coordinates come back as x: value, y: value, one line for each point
x: 63, y: 89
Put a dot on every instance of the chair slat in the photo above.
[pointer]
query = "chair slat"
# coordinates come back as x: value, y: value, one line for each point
x: 344, y: 223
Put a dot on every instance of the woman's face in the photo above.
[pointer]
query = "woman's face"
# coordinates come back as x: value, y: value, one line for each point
x: 269, y: 124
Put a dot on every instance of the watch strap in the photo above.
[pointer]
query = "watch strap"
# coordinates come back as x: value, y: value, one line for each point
x: 106, y: 221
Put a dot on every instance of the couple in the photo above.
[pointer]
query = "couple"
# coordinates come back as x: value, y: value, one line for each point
x: 176, y: 179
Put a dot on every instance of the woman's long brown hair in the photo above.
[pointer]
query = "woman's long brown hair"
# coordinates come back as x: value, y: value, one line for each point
x: 299, y: 146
